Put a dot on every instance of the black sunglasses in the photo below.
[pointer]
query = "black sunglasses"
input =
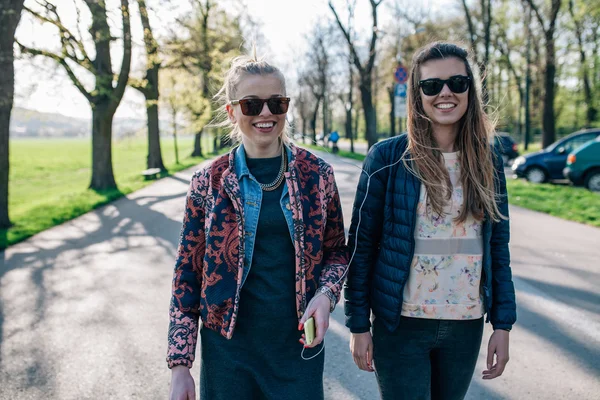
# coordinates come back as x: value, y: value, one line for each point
x: 253, y: 107
x: 456, y: 83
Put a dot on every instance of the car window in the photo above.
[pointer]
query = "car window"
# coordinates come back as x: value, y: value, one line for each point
x: 574, y: 143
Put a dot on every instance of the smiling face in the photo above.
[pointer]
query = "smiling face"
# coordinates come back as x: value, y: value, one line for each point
x: 446, y: 108
x: 260, y: 132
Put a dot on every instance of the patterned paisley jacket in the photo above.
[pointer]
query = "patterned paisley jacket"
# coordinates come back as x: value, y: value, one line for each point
x: 209, y: 266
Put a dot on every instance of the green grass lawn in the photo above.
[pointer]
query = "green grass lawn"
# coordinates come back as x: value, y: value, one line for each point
x: 49, y: 179
x: 533, y: 147
x: 567, y: 202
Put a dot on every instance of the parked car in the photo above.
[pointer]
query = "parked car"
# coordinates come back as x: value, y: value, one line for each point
x: 583, y: 166
x: 549, y: 163
x: 507, y: 146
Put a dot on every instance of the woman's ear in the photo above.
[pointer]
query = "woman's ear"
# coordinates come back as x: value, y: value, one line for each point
x: 230, y: 113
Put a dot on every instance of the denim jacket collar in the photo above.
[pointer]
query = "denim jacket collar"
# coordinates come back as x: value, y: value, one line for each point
x: 241, y: 167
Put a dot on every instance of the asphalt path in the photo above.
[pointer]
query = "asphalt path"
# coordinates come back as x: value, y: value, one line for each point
x: 84, y: 306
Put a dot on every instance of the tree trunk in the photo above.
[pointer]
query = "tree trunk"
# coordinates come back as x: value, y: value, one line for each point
x: 348, y: 125
x: 206, y: 68
x: 348, y: 128
x: 365, y: 72
x: 313, y: 121
x: 303, y: 129
x: 105, y: 104
x: 356, y: 121
x: 102, y: 171
x: 595, y: 56
x: 198, y: 145
x: 349, y: 106
x: 174, y: 118
x: 324, y: 111
x: 520, y: 112
x: 487, y: 18
x: 10, y: 14
x: 548, y: 121
x: 349, y: 131
x: 369, y: 111
x: 392, y: 112
x: 587, y: 90
x: 197, y: 152
x: 106, y: 97
x: 151, y: 91
x: 592, y: 111
x: 549, y: 135
x: 154, y: 153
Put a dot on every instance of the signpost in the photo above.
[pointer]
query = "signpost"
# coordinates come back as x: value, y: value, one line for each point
x: 400, y: 76
x: 400, y: 100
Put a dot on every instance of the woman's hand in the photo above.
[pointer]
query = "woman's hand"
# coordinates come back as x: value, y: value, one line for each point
x: 361, y: 346
x: 498, y: 345
x: 318, y: 308
x: 182, y: 384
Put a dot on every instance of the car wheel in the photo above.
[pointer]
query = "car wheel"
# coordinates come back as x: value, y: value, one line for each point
x: 536, y: 175
x: 592, y: 181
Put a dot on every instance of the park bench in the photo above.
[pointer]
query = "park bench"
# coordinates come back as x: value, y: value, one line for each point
x: 151, y: 173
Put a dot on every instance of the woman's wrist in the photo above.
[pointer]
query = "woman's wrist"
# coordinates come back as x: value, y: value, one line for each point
x: 180, y: 368
x: 325, y: 290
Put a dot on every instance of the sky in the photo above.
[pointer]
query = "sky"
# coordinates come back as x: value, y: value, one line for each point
x: 42, y: 85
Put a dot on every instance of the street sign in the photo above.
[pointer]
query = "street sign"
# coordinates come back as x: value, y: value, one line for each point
x: 400, y: 100
x: 400, y: 90
x: 400, y: 107
x: 400, y: 75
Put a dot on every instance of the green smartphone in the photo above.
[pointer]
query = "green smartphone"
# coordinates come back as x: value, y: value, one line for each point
x: 309, y: 331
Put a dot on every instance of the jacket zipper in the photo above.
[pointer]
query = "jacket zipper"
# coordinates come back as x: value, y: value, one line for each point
x: 414, y: 222
x: 484, y: 280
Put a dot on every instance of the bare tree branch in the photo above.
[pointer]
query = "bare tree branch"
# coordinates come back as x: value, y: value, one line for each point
x: 472, y: 34
x: 504, y: 49
x: 371, y: 62
x: 69, y: 42
x: 78, y: 11
x: 537, y: 13
x: 126, y: 63
x: 204, y: 9
x: 348, y: 39
x: 62, y: 61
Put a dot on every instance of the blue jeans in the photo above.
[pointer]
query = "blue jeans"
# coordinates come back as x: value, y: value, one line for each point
x: 425, y: 358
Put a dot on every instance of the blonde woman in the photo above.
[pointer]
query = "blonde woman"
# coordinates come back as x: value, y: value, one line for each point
x: 429, y: 238
x: 262, y: 236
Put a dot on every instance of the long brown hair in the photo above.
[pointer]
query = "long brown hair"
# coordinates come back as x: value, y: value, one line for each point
x: 473, y: 142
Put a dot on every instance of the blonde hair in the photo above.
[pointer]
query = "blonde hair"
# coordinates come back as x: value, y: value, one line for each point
x: 473, y: 142
x: 240, y: 66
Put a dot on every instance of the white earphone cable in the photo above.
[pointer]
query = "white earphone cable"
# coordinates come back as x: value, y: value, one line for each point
x: 355, y: 241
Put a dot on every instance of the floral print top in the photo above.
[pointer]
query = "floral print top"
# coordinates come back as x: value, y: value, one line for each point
x: 444, y: 278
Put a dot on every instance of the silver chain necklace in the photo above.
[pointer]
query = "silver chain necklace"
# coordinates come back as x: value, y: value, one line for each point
x: 268, y: 187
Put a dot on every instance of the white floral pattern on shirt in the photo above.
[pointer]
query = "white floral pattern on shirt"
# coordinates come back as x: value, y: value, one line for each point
x: 445, y: 286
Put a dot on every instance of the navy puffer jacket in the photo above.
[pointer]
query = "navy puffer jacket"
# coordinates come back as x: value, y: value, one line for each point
x: 382, y: 240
